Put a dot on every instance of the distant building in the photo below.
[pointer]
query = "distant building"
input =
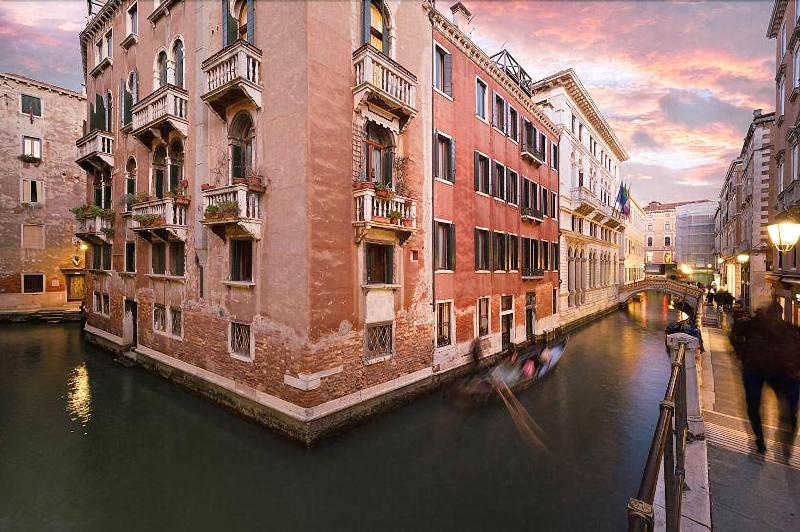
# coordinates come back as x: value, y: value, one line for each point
x: 40, y: 262
x: 660, y: 238
x: 694, y: 240
x: 784, y: 278
x: 592, y: 227
x: 633, y: 244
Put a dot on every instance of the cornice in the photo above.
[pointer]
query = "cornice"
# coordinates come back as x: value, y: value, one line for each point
x: 457, y: 38
x: 97, y: 22
x: 778, y: 10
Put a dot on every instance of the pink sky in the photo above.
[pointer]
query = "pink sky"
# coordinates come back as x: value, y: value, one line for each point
x: 678, y: 80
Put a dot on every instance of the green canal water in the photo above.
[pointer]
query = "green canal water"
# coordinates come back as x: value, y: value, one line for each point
x: 86, y: 444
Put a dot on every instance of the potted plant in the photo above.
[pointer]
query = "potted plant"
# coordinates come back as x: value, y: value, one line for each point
x: 141, y: 197
x: 395, y: 216
x: 147, y: 220
x: 26, y: 158
x: 239, y: 180
x: 228, y: 208
x: 206, y: 186
x: 407, y: 222
x: 80, y: 213
x: 382, y: 190
x: 106, y: 214
x: 211, y: 212
x: 362, y: 182
x: 108, y: 231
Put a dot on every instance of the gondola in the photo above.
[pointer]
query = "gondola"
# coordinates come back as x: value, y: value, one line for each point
x: 481, y: 388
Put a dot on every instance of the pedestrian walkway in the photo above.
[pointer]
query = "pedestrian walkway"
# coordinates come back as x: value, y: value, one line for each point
x: 748, y: 491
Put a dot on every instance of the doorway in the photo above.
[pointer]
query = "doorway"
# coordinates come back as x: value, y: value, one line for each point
x: 74, y: 287
x: 129, y: 323
x: 530, y: 315
x: 506, y: 320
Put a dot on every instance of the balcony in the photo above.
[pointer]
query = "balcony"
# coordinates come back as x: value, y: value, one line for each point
x: 161, y: 219
x: 233, y: 210
x: 532, y: 273
x: 789, y: 197
x: 584, y: 202
x: 382, y: 82
x: 385, y: 210
x: 533, y: 154
x: 96, y: 151
x: 159, y: 113
x: 233, y: 75
x: 100, y: 67
x: 532, y: 214
x: 95, y: 229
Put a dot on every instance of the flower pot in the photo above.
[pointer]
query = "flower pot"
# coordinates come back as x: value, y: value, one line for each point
x: 211, y: 216
x: 380, y: 219
x: 182, y: 200
x: 407, y: 222
x: 363, y: 185
x: 185, y: 183
x: 206, y: 186
x: 239, y: 180
x: 382, y: 193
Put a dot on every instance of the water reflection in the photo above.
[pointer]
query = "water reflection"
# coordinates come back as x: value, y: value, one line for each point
x: 79, y: 395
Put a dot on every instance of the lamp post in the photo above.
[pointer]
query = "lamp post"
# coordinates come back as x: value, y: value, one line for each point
x: 784, y: 232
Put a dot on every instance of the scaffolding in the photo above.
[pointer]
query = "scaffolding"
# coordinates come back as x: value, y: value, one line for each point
x: 694, y: 236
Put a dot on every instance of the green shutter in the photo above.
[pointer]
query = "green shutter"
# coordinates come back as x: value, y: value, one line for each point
x: 173, y: 176
x: 477, y: 249
x: 159, y: 183
x: 237, y: 168
x: 477, y: 171
x: 388, y: 166
x: 230, y: 27
x: 451, y: 247
x: 452, y: 156
x: 447, y: 75
x: 436, y: 257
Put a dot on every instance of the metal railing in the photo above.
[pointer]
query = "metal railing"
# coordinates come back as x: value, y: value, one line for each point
x: 668, y: 446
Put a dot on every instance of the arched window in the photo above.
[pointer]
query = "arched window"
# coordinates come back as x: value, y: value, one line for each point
x: 175, y: 165
x: 131, y: 96
x: 241, y: 141
x: 667, y: 241
x: 161, y: 66
x: 159, y: 169
x: 177, y: 55
x: 378, y: 155
x: 649, y: 241
x: 130, y: 182
x: 376, y: 25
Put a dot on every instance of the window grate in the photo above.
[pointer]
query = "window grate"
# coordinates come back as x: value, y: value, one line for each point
x: 379, y: 341
x: 240, y: 339
x: 159, y: 318
x: 176, y: 317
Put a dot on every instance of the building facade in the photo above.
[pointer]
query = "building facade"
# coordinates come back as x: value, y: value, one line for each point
x: 237, y: 244
x: 591, y: 225
x: 495, y: 207
x: 41, y: 264
x: 744, y: 247
x: 633, y: 244
x: 694, y: 240
x: 660, y: 239
x: 784, y: 279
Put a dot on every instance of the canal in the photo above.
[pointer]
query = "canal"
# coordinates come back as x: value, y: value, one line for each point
x: 86, y: 444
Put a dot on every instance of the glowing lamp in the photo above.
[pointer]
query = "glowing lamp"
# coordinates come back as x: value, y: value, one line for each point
x: 784, y: 232
x: 720, y: 260
x: 84, y: 247
x: 742, y: 258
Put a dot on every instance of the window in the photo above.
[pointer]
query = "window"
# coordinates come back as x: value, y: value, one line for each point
x: 781, y: 96
x: 240, y: 344
x: 574, y: 122
x: 130, y: 183
x: 445, y: 246
x: 529, y: 136
x: 530, y: 313
x: 649, y: 241
x: 530, y: 194
x: 543, y: 147
x: 481, y: 249
x: 666, y: 226
x: 133, y: 20
x: 98, y: 302
x: 241, y: 137
x: 159, y: 318
x: 177, y: 55
x: 378, y: 36
x: 380, y: 263
x: 161, y: 67
x: 480, y: 99
x: 512, y: 252
x: 445, y: 158
x: 499, y: 251
x: 130, y: 257
x: 513, y: 123
x: 175, y: 165
x: 177, y: 258
x: 443, y: 70
x: 554, y: 256
x: 554, y: 156
x: 499, y: 113
x: 106, y: 302
x: 667, y: 241
x: 545, y: 255
x: 482, y: 181
x: 32, y: 147
x: 783, y: 39
x: 104, y: 253
x: 32, y: 236
x: 176, y: 321
x: 32, y: 283
x: 530, y: 256
x: 483, y: 316
x: 159, y: 170
x: 31, y: 105
x: 545, y: 195
x: 443, y: 336
x: 158, y: 257
x: 32, y: 191
x: 378, y: 155
x: 511, y: 186
x: 780, y: 176
x: 241, y: 260
x: 499, y: 181
x: 378, y: 341
x: 553, y: 207
x: 649, y: 227
x: 242, y: 21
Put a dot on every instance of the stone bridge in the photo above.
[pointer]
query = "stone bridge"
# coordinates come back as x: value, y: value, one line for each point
x: 690, y: 294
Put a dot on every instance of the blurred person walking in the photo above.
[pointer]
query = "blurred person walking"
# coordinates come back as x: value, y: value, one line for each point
x: 769, y: 350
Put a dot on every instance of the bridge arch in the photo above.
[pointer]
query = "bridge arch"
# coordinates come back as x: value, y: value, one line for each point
x: 691, y: 295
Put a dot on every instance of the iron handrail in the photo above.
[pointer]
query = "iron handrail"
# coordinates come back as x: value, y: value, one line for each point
x: 669, y: 446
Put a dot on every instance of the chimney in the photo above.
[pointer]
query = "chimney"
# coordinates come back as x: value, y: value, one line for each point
x: 756, y: 113
x: 461, y: 16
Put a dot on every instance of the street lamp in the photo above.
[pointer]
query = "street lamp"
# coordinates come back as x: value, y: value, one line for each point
x: 742, y: 258
x: 784, y: 232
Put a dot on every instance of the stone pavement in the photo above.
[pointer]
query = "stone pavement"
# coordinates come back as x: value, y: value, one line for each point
x: 748, y: 492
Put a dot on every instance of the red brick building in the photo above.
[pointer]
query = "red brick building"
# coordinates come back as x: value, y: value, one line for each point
x: 495, y: 191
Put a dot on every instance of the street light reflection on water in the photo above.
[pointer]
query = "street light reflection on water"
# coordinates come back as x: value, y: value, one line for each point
x: 79, y: 395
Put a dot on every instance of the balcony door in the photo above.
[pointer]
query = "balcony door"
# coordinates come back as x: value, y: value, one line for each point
x: 159, y: 171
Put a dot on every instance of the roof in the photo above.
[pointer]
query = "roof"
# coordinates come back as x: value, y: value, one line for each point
x: 657, y: 206
x: 775, y: 20
x: 569, y: 80
x: 41, y: 84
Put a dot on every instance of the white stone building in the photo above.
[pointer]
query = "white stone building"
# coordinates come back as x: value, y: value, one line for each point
x: 591, y: 226
x: 633, y: 244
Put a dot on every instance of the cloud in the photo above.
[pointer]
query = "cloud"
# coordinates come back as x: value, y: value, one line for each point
x: 700, y: 109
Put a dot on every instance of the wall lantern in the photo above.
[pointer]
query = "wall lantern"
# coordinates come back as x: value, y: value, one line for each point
x: 742, y: 258
x: 784, y: 232
x: 720, y: 260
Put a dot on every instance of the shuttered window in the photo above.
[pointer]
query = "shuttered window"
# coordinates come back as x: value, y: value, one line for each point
x: 512, y: 252
x: 445, y: 158
x: 443, y: 70
x: 499, y: 112
x: 512, y: 180
x: 159, y: 258
x: 443, y: 324
x: 32, y: 147
x: 177, y: 258
x: 241, y: 260
x: 480, y: 99
x: 444, y: 246
x: 483, y: 316
x: 32, y: 236
x: 499, y: 180
x: 481, y: 172
x: 498, y: 251
x: 513, y: 123
x: 130, y: 256
x: 482, y: 250
x: 379, y: 263
x: 545, y: 195
x: 31, y: 105
x: 32, y: 191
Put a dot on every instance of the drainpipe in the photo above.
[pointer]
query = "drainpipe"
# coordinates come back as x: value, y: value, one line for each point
x: 433, y: 183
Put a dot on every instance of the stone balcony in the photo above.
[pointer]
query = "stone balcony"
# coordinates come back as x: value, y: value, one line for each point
x: 161, y: 219
x: 159, y: 113
x: 532, y: 154
x: 532, y: 214
x: 584, y: 202
x: 233, y: 210
x: 374, y: 210
x: 532, y: 273
x: 94, y: 230
x: 95, y: 151
x: 233, y: 75
x: 383, y: 82
x: 789, y: 197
